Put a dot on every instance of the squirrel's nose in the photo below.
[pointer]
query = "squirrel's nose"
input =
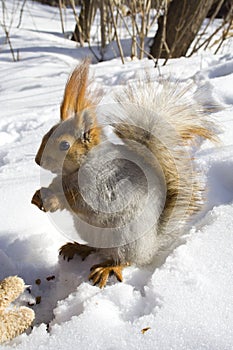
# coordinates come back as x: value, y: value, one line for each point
x: 38, y: 159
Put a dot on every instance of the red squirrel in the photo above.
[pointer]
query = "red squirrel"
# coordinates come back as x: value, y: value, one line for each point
x: 132, y: 199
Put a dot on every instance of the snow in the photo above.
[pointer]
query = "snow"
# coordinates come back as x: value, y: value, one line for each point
x: 186, y: 303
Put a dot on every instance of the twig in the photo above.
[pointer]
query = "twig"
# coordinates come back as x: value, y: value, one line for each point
x: 102, y: 27
x: 7, y: 31
x: 72, y: 3
x: 224, y: 36
x: 116, y: 33
x: 128, y: 30
x: 163, y: 39
x: 21, y: 13
x: 61, y: 16
x: 9, y: 42
x: 195, y: 47
x: 207, y: 41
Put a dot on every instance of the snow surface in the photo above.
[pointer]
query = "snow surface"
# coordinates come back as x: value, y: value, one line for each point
x: 185, y: 304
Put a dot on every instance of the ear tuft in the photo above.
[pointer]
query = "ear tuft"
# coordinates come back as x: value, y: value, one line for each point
x: 75, y: 99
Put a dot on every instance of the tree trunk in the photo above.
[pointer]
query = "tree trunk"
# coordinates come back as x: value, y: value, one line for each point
x: 178, y: 28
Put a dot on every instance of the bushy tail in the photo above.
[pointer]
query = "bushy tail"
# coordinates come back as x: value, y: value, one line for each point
x: 166, y: 120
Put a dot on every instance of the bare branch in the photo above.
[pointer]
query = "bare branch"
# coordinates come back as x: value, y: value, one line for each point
x: 21, y: 13
x: 116, y: 33
x: 61, y: 16
x: 72, y: 4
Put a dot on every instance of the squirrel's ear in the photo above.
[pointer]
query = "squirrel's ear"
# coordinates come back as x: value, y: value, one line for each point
x: 84, y: 123
x: 74, y: 99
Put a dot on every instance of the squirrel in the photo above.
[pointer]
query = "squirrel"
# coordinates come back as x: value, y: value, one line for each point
x: 130, y: 199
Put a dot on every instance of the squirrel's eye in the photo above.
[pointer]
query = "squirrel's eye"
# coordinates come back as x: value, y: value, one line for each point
x: 64, y: 145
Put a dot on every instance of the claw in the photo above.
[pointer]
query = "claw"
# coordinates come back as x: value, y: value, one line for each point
x: 68, y: 250
x: 101, y: 272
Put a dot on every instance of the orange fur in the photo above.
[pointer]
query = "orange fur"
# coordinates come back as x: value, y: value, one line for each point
x: 192, y: 133
x: 75, y: 99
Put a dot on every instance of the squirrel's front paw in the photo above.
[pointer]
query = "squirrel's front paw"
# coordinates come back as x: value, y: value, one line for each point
x: 68, y: 250
x: 37, y: 200
x: 46, y: 200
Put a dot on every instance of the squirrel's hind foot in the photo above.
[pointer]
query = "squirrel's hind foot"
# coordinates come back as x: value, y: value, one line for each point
x: 68, y: 250
x: 101, y: 272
